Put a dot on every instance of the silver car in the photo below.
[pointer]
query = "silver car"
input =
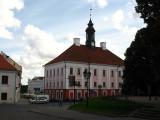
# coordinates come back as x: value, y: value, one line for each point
x: 34, y: 100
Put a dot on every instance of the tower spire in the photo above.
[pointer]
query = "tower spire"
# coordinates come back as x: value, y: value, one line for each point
x: 90, y: 34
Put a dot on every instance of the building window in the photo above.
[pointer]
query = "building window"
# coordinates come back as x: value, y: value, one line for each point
x: 86, y: 84
x: 119, y: 74
x: 4, y: 79
x: 78, y: 71
x: 78, y: 83
x: 95, y: 72
x: 47, y: 73
x: 112, y: 84
x: 112, y: 73
x: 50, y: 84
x: 54, y: 72
x: 57, y: 84
x: 54, y: 84
x: 3, y: 96
x: 95, y: 84
x: 71, y: 71
x: 104, y: 84
x: 61, y: 83
x: 50, y: 73
x: 61, y: 71
x: 57, y: 71
x: 104, y: 73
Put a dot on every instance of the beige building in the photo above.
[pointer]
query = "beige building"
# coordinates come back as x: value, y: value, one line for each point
x: 12, y: 62
x: 36, y: 85
x: 10, y: 80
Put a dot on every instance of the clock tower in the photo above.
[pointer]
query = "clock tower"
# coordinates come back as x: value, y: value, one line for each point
x: 90, y: 35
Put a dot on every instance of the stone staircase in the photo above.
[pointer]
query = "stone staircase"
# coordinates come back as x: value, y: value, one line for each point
x: 149, y: 113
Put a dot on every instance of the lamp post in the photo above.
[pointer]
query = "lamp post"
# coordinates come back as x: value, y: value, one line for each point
x: 87, y: 76
x: 72, y: 82
x: 100, y: 86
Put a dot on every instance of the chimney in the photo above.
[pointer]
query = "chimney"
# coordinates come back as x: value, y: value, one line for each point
x: 76, y: 41
x: 103, y: 45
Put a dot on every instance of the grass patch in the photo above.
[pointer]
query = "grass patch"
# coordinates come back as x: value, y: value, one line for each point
x: 107, y: 105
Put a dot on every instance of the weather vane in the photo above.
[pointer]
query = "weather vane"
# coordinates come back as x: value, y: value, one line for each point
x: 90, y: 12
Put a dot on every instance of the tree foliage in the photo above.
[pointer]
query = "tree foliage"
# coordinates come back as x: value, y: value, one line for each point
x: 24, y: 88
x: 142, y: 62
x: 149, y: 10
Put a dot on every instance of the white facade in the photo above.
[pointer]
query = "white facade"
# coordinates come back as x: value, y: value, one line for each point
x: 36, y: 85
x: 10, y: 88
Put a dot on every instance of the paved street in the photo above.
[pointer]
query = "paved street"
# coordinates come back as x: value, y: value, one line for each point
x: 20, y: 112
x: 25, y: 111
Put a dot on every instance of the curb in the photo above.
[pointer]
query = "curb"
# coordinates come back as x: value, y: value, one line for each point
x: 100, y: 114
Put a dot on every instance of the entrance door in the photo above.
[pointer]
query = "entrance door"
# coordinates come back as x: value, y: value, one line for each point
x: 57, y: 96
x: 61, y: 94
x: 71, y: 95
x: 79, y: 95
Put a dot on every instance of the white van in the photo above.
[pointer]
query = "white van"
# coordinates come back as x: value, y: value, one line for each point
x: 41, y: 96
x: 35, y: 100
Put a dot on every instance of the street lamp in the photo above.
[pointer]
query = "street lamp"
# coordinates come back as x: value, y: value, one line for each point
x: 87, y: 76
x: 72, y: 82
x: 100, y: 86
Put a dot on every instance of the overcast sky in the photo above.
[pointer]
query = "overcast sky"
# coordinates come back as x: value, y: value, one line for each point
x: 33, y: 32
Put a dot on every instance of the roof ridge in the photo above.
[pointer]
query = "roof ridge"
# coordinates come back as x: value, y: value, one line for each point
x: 83, y: 54
x: 69, y: 52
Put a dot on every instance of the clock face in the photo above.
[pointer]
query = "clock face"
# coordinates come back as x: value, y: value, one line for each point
x: 92, y: 43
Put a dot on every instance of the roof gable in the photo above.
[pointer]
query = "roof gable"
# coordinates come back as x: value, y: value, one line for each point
x: 84, y: 54
x: 5, y: 65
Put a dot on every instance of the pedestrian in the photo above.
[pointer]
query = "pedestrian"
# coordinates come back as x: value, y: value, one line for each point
x: 60, y: 102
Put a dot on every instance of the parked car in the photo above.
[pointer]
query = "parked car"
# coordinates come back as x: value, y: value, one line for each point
x: 46, y: 96
x: 34, y: 100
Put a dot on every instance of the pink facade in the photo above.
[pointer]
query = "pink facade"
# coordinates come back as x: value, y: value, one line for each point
x: 104, y: 68
x: 57, y: 83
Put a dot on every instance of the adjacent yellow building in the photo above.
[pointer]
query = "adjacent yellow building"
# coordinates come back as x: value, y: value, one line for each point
x: 10, y: 79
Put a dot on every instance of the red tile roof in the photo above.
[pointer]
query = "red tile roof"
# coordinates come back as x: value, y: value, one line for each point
x: 84, y: 54
x: 4, y: 64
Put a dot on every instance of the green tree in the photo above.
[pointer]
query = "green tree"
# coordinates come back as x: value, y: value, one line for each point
x: 149, y: 10
x: 142, y: 66
x: 137, y: 73
x: 24, y: 88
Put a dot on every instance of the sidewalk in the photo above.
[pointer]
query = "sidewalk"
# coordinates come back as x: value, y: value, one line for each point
x: 63, y: 112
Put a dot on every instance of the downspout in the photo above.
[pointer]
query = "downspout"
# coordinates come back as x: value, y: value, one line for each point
x: 65, y: 77
x: 15, y: 88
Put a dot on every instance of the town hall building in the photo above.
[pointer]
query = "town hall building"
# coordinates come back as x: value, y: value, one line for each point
x: 104, y: 67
